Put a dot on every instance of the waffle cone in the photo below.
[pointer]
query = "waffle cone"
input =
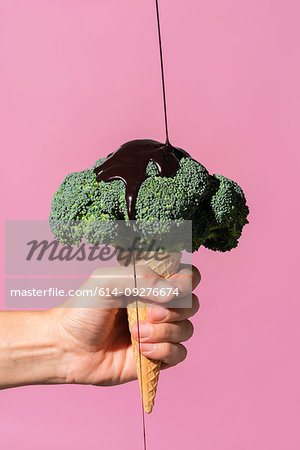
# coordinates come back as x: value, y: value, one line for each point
x: 147, y: 369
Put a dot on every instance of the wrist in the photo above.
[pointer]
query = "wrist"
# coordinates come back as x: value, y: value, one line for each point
x: 31, y: 351
x: 55, y: 355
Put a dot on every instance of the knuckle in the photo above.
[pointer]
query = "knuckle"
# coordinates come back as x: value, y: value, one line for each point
x: 165, y: 331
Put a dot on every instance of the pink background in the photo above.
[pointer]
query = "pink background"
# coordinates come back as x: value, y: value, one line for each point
x: 77, y: 79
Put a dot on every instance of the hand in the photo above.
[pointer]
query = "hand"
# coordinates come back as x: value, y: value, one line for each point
x: 96, y: 340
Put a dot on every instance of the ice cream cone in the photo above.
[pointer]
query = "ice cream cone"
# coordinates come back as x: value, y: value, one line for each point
x: 147, y: 369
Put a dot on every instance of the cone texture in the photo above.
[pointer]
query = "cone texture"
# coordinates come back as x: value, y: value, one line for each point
x: 147, y: 369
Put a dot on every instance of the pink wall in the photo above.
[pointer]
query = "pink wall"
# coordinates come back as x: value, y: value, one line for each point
x: 79, y: 78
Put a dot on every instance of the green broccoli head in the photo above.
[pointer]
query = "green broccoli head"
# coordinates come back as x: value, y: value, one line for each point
x: 173, y: 198
x: 74, y: 206
x: 228, y: 213
x: 85, y: 208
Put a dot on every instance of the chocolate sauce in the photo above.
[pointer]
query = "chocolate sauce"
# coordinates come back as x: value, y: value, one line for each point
x: 130, y: 161
x: 129, y: 164
x: 162, y: 71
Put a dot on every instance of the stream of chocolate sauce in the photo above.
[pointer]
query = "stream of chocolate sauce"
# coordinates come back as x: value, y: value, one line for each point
x: 129, y: 164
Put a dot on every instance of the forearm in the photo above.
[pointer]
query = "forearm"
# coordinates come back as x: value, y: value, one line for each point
x: 30, y: 350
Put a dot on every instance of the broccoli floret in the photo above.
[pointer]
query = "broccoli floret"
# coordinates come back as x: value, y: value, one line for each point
x: 78, y: 203
x: 173, y: 198
x: 228, y: 214
x: 83, y: 207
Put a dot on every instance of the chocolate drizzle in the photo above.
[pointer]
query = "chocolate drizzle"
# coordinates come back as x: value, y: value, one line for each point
x: 129, y: 164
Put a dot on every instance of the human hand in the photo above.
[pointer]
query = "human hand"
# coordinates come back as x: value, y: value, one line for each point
x: 96, y: 340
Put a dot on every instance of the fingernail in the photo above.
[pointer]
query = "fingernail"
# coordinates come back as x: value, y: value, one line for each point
x: 147, y: 348
x: 158, y: 314
x: 163, y: 284
x: 145, y: 330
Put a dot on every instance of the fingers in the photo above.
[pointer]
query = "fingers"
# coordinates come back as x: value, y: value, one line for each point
x: 163, y: 332
x: 169, y: 354
x: 186, y: 280
x: 159, y: 314
x: 161, y: 335
x: 187, y: 269
x: 116, y: 282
